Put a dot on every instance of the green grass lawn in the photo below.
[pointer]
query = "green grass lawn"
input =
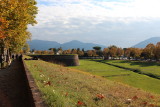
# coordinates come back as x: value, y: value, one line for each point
x: 147, y: 67
x: 120, y: 75
x: 66, y: 87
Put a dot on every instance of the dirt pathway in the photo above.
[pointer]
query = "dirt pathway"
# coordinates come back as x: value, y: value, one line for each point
x: 13, y: 88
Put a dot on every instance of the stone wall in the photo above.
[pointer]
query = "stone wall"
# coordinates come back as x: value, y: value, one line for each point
x: 91, y: 57
x: 34, y: 93
x: 66, y: 60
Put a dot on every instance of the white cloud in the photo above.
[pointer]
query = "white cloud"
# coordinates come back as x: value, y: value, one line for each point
x: 84, y: 18
x: 99, y: 11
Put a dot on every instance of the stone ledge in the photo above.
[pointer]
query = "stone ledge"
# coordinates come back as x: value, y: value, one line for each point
x: 33, y: 89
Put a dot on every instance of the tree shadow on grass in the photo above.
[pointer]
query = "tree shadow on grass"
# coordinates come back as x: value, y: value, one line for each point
x: 137, y: 70
x: 139, y: 63
x: 144, y: 64
x: 117, y: 75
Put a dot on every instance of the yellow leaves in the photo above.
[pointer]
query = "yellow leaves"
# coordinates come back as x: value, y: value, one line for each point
x: 3, y: 23
x: 3, y: 26
x: 1, y: 35
x: 15, y: 15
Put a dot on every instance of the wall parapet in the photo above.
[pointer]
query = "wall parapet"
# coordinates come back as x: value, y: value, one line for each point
x: 35, y: 94
x: 66, y: 60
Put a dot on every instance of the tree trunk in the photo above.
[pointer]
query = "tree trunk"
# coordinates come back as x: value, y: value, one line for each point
x: 2, y: 59
x: 8, y: 57
x: 5, y: 57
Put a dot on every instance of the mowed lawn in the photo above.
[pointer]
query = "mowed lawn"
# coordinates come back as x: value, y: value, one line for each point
x: 66, y: 87
x: 120, y: 75
x: 147, y: 67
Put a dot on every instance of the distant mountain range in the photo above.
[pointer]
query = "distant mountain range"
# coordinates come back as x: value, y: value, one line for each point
x: 45, y: 45
x: 144, y: 43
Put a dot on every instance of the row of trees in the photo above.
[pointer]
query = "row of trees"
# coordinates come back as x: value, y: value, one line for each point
x: 151, y: 52
x: 15, y: 15
x: 60, y: 51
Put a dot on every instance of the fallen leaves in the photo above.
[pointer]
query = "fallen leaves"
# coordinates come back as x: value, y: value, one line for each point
x: 80, y: 103
x: 135, y: 98
x: 99, y: 97
x: 152, y: 97
x: 48, y: 83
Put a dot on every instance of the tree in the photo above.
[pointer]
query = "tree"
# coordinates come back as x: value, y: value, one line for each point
x: 119, y: 52
x: 127, y: 52
x: 112, y: 51
x: 54, y: 50
x: 138, y: 53
x: 59, y: 51
x: 134, y: 53
x: 74, y: 51
x: 78, y: 49
x: 106, y: 53
x: 83, y: 49
x: 67, y: 51
x: 97, y: 48
x: 15, y: 15
x: 80, y: 53
x: 91, y: 53
x: 20, y: 14
x: 38, y: 52
x: 26, y: 48
x: 44, y: 52
x: 51, y: 52
x: 149, y: 51
x: 33, y: 50
x: 157, y: 51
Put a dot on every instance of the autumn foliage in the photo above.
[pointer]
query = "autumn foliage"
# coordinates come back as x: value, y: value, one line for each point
x: 150, y: 52
x: 15, y: 15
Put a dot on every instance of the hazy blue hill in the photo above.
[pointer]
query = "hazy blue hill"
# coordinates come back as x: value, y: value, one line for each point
x: 77, y: 44
x: 45, y: 45
x: 144, y: 43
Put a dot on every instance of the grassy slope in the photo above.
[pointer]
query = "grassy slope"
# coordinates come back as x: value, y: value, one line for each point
x: 117, y: 74
x: 149, y: 67
x: 64, y: 87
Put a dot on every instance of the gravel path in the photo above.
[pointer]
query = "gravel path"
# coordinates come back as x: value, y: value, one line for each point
x: 13, y: 87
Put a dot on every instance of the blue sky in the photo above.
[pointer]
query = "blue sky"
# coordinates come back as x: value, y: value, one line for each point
x: 108, y: 22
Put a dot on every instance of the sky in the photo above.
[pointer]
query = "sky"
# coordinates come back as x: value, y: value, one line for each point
x: 107, y: 22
